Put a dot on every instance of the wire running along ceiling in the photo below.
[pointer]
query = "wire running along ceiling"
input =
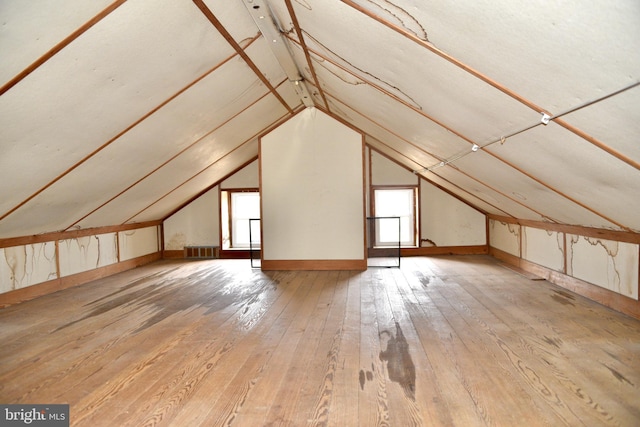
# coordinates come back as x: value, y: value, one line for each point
x: 117, y: 112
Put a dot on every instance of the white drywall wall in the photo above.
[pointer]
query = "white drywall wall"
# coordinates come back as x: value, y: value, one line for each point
x: 312, y: 190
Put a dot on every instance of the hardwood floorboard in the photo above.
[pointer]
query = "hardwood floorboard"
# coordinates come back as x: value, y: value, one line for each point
x: 442, y: 341
x: 562, y: 357
x: 344, y: 401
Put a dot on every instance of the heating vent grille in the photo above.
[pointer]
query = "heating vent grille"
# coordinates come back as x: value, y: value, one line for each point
x: 201, y: 252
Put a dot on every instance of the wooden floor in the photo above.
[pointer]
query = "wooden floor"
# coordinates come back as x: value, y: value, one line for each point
x: 441, y: 341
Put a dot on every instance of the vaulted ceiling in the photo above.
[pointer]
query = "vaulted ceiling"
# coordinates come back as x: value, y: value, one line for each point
x: 121, y: 111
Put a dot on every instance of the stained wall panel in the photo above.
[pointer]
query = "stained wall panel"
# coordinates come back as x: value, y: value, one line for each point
x: 606, y: 263
x: 197, y: 224
x: 87, y: 253
x: 543, y: 247
x: 138, y: 242
x: 22, y: 266
x: 505, y: 237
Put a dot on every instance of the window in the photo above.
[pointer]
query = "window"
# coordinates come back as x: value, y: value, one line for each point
x: 243, y: 206
x: 396, y: 202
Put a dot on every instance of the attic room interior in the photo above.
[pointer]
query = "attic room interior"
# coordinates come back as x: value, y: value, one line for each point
x: 320, y: 212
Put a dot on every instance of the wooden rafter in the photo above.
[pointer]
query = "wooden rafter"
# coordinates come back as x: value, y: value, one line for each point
x: 166, y: 162
x: 279, y: 121
x: 116, y: 137
x: 234, y: 44
x: 58, y: 47
x: 465, y: 138
x: 493, y: 83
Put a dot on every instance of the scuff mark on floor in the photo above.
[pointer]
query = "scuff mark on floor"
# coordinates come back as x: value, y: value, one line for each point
x: 618, y: 375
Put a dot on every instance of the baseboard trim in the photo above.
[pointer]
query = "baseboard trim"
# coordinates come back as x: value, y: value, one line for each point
x: 322, y: 264
x: 445, y: 250
x: 603, y: 296
x: 179, y: 254
x: 51, y: 286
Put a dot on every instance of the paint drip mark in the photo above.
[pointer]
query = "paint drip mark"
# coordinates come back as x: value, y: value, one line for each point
x: 619, y: 376
x: 408, y: 21
x: 400, y: 366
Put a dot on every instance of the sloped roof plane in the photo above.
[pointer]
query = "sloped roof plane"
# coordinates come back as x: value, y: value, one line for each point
x: 118, y: 112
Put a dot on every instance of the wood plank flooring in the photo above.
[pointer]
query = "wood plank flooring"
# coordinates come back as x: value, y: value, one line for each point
x: 442, y: 341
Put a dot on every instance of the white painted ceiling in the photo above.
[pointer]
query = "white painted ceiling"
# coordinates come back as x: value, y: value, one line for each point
x: 114, y: 112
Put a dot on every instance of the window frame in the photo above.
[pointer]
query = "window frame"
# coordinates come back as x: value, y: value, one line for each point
x: 415, y: 195
x: 230, y: 217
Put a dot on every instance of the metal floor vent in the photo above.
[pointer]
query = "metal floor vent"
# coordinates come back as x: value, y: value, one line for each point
x: 201, y: 252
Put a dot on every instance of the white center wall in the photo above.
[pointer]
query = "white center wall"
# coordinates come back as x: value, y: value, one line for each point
x: 312, y: 190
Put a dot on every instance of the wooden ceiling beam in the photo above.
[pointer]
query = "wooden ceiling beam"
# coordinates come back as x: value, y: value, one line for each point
x: 312, y: 70
x: 276, y: 123
x: 227, y: 36
x: 469, y: 140
x: 116, y: 137
x: 429, y: 46
x: 58, y: 47
x: 414, y: 161
x: 170, y: 159
x: 482, y: 183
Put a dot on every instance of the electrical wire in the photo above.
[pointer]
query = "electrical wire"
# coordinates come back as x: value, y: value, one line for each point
x: 545, y: 119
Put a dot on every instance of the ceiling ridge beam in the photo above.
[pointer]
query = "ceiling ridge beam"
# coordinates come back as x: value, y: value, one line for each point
x: 506, y: 162
x: 120, y: 134
x: 240, y: 51
x: 170, y: 159
x: 280, y: 120
x: 61, y: 45
x: 493, y: 83
x: 296, y: 26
